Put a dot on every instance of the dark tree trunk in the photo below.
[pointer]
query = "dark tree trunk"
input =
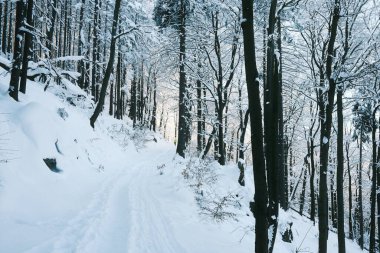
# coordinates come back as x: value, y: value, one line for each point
x: 133, y: 103
x: 340, y: 173
x: 378, y: 192
x: 350, y: 228
x: 81, y: 46
x: 27, y: 47
x: 1, y: 22
x: 111, y: 99
x: 259, y: 206
x: 360, y: 193
x: 281, y: 163
x: 372, y: 237
x: 184, y: 114
x: 312, y: 175
x: 326, y: 111
x: 291, y: 175
x: 243, y: 129
x: 286, y: 172
x: 87, y: 66
x: 5, y: 26
x: 99, y: 106
x: 271, y: 120
x: 154, y: 110
x: 17, y: 52
x: 141, y: 96
x: 333, y: 201
x: 10, y: 28
x: 118, y: 85
x: 303, y: 191
x: 199, y: 117
x: 50, y: 32
x: 94, y: 76
x: 209, y: 142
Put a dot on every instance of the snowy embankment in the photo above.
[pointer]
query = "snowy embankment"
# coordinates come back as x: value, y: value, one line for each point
x: 117, y: 190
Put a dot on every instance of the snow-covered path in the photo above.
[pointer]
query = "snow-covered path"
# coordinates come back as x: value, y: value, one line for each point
x: 108, y: 198
x: 123, y: 215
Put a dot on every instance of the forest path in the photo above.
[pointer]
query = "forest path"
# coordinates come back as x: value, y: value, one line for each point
x: 123, y: 215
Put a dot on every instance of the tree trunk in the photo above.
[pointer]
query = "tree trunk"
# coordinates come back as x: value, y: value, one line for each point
x: 303, y: 191
x: 259, y: 206
x: 1, y: 21
x: 271, y: 123
x: 360, y: 193
x: 372, y: 237
x: 350, y: 228
x: 281, y: 163
x: 184, y: 114
x: 111, y: 99
x: 378, y: 192
x: 27, y: 47
x: 154, y: 110
x: 99, y: 106
x: 133, y: 103
x: 94, y: 73
x: 17, y: 52
x: 81, y: 46
x: 312, y: 175
x: 50, y: 32
x: 5, y: 26
x: 333, y: 200
x: 199, y: 117
x: 326, y: 111
x: 340, y: 173
x: 10, y: 34
x: 243, y: 129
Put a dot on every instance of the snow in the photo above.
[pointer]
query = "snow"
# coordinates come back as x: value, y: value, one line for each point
x: 119, y: 191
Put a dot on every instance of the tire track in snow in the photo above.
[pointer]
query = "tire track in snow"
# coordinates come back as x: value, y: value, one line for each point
x: 139, y: 216
x: 82, y: 228
x: 150, y: 228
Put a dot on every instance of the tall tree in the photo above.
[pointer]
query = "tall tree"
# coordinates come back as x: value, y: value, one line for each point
x: 325, y: 114
x: 340, y: 172
x: 27, y: 56
x: 17, y: 51
x: 174, y: 14
x: 259, y: 206
x: 184, y: 113
x: 107, y: 75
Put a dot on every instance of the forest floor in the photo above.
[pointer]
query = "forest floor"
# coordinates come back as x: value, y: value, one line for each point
x: 117, y: 189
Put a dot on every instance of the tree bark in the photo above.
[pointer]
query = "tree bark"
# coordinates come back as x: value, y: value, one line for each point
x: 372, y: 237
x: 27, y: 47
x: 199, y: 116
x: 243, y: 129
x: 340, y: 173
x: 259, y: 207
x: 184, y: 114
x: 5, y: 26
x: 17, y: 52
x: 326, y: 111
x: 360, y: 192
x: 50, y: 32
x: 99, y: 106
x: 81, y: 46
x: 350, y: 227
x: 94, y: 73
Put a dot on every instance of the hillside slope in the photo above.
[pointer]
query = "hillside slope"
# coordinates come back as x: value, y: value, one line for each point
x: 117, y: 189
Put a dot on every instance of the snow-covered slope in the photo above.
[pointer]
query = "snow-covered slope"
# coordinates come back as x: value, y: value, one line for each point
x: 118, y: 190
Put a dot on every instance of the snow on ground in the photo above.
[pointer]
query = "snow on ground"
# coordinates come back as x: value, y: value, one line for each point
x: 118, y: 190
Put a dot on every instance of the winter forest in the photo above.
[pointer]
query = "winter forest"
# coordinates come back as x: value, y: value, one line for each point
x: 158, y: 126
